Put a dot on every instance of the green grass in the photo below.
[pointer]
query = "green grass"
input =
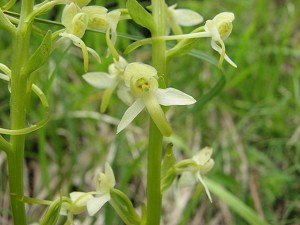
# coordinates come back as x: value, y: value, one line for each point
x: 251, y: 121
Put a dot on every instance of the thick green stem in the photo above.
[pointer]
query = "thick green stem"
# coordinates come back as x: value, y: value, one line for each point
x: 18, y: 99
x: 154, y: 197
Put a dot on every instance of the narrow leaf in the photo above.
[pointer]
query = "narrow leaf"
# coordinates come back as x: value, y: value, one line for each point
x: 52, y: 214
x: 6, y: 24
x: 124, y: 208
x: 39, y: 56
x: 214, y: 91
x: 211, y: 94
x: 140, y: 15
x: 233, y: 202
x: 182, y: 47
x: 169, y: 159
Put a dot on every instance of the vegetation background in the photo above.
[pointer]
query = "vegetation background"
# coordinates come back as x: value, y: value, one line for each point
x: 252, y: 123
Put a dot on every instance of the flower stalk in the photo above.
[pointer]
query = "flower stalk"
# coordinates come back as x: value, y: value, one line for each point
x: 154, y: 196
x: 18, y: 106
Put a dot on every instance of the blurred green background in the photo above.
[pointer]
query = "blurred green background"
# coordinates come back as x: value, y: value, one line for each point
x: 251, y: 119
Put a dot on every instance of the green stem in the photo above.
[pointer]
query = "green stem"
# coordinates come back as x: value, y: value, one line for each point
x: 18, y: 83
x: 154, y: 196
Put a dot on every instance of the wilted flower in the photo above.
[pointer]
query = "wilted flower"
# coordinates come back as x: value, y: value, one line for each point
x: 142, y: 81
x: 220, y: 28
x: 181, y: 17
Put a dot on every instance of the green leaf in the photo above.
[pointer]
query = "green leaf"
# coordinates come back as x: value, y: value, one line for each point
x: 169, y: 159
x: 203, y: 56
x: 214, y: 91
x: 40, y: 56
x: 233, y: 202
x: 8, y: 5
x: 52, y: 214
x: 140, y: 15
x: 183, y: 47
x: 6, y: 24
x: 124, y: 208
x: 211, y: 94
x: 168, y: 173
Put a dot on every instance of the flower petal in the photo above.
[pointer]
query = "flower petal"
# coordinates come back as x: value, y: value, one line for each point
x: 187, y: 17
x: 95, y: 10
x: 82, y: 3
x: 68, y: 14
x: 172, y: 96
x: 204, y: 185
x: 124, y: 94
x: 110, y: 175
x: 99, y: 79
x: 95, y: 204
x: 211, y: 27
x: 217, y: 48
x: 106, y: 96
x: 79, y: 43
x: 203, y: 155
x: 156, y: 113
x: 80, y: 198
x: 113, y: 19
x: 130, y: 114
x: 186, y: 179
x: 138, y: 70
x: 207, y: 167
x: 94, y: 54
x: 224, y: 17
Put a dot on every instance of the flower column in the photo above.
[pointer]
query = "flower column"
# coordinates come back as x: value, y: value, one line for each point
x: 155, y: 137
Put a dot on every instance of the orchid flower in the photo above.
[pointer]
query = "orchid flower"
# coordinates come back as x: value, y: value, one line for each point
x: 91, y: 201
x: 105, y: 182
x: 100, y: 19
x: 76, y: 22
x: 142, y: 81
x: 181, y: 17
x: 202, y: 164
x: 220, y: 28
x: 108, y: 81
x: 75, y: 205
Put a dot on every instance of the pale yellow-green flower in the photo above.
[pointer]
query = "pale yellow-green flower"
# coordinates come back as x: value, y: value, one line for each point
x: 102, y: 20
x: 201, y: 163
x: 76, y: 22
x: 219, y: 29
x: 91, y: 201
x: 110, y: 81
x: 78, y: 18
x: 142, y: 81
x: 105, y: 182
